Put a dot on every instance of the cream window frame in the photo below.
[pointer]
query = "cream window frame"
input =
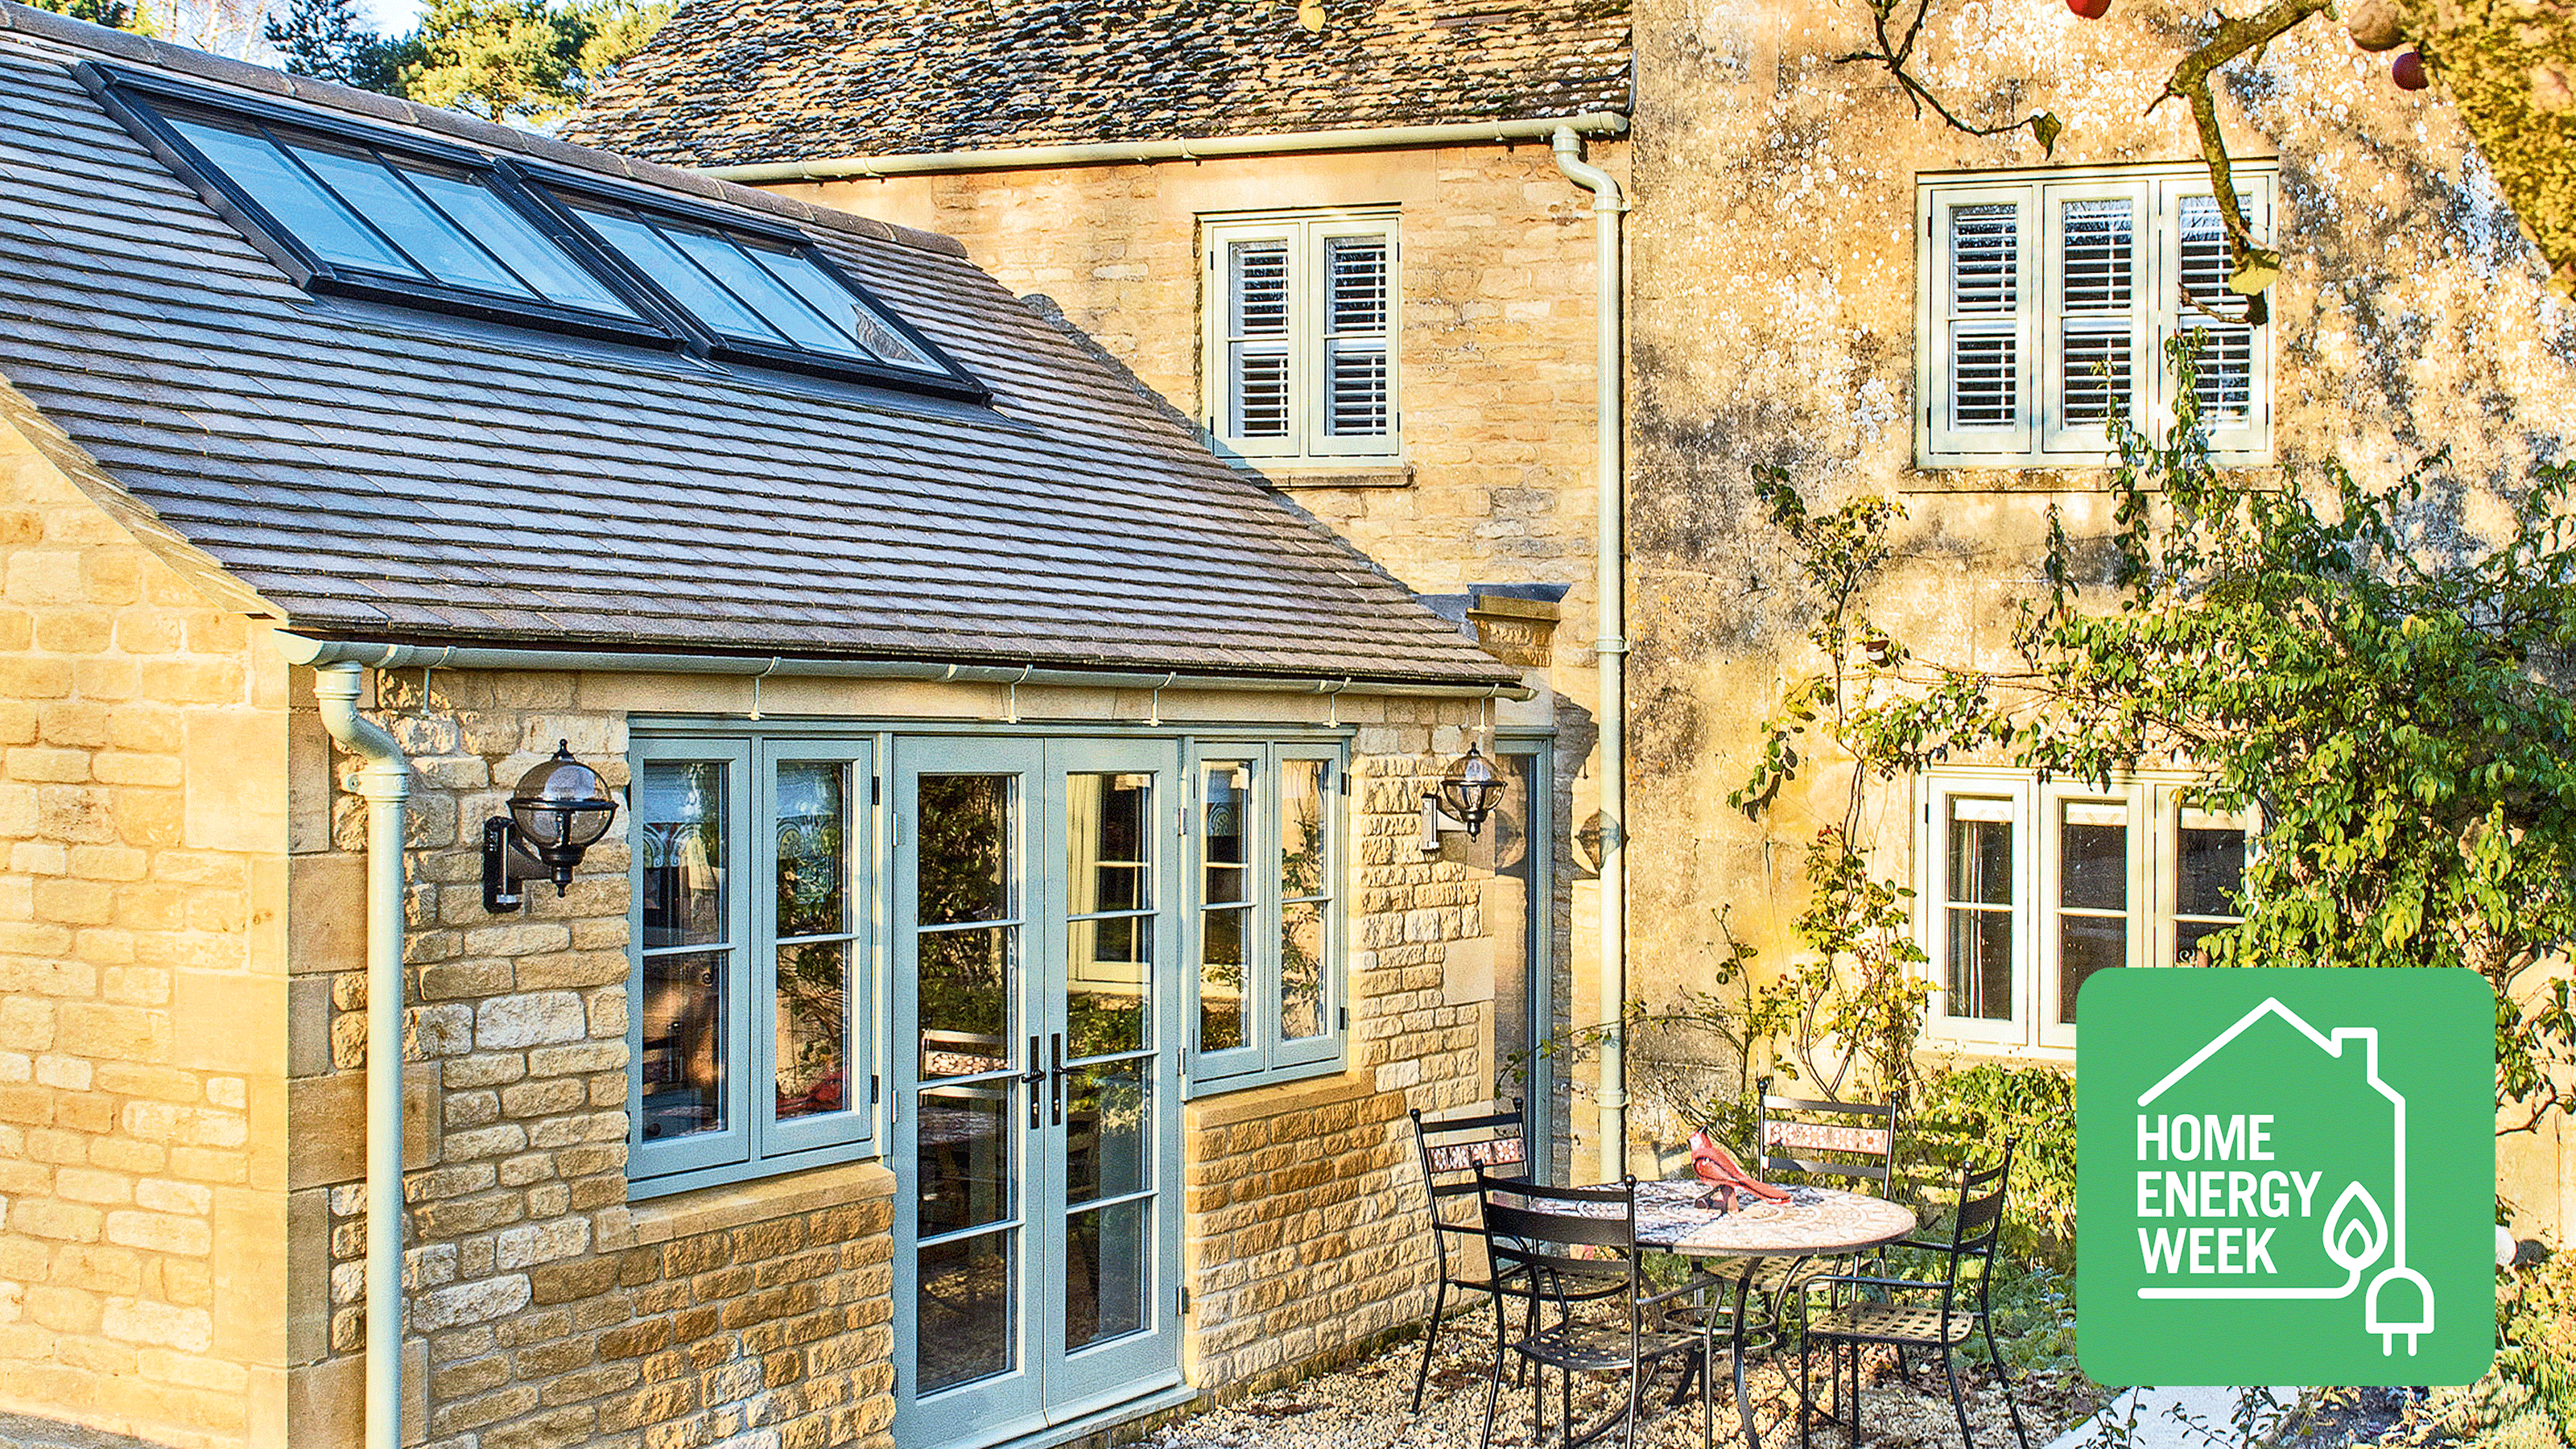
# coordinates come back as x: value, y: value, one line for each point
x: 1308, y: 238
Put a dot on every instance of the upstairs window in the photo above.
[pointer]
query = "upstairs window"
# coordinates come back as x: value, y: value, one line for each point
x: 2045, y: 300
x: 1301, y: 336
x: 350, y: 209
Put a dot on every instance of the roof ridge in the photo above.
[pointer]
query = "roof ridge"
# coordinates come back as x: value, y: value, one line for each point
x: 123, y: 47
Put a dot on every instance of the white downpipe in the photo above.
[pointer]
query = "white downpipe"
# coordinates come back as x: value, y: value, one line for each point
x: 1609, y: 567
x: 1199, y: 148
x: 383, y: 783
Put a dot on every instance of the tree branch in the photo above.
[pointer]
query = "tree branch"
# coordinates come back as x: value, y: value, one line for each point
x: 2256, y: 267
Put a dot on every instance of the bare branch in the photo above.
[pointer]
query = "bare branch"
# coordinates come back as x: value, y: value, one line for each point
x: 2255, y: 266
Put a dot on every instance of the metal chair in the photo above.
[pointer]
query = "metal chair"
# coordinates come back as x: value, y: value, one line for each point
x: 1855, y: 1140
x: 1569, y: 1254
x: 1453, y: 1153
x: 1868, y: 1308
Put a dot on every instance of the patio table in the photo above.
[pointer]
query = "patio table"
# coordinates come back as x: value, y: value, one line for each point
x: 1825, y: 1223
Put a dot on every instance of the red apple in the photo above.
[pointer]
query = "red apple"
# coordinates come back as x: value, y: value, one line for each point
x: 2408, y: 71
x: 2090, y: 9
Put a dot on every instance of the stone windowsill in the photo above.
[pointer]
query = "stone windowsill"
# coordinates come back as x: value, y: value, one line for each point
x: 738, y: 1204
x: 1354, y: 474
x: 1252, y: 1104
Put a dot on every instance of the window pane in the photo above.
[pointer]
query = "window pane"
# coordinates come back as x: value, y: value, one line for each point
x: 433, y: 240
x: 964, y: 1005
x: 2211, y: 872
x: 1355, y: 278
x: 683, y: 1027
x: 1985, y: 377
x: 1105, y: 834
x: 1358, y: 403
x: 644, y: 247
x: 843, y: 310
x: 1106, y: 1273
x: 1109, y: 978
x: 1301, y: 971
x: 1221, y: 938
x: 316, y: 218
x: 785, y: 313
x: 1260, y: 405
x: 2225, y: 376
x: 1985, y: 258
x: 964, y: 851
x: 680, y: 824
x: 1107, y: 1144
x: 1225, y: 790
x: 2188, y: 936
x: 965, y: 1313
x: 530, y: 252
x: 1981, y: 852
x: 965, y: 1156
x: 813, y: 849
x: 2096, y: 284
x: 2093, y: 862
x: 1303, y: 803
x: 1259, y: 289
x: 813, y: 1029
x: 2086, y: 944
x: 1980, y: 976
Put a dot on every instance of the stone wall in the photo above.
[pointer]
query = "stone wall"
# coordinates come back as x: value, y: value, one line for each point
x: 141, y: 977
x: 1773, y: 280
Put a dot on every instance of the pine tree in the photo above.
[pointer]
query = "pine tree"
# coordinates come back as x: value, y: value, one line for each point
x: 115, y: 14
x: 323, y: 39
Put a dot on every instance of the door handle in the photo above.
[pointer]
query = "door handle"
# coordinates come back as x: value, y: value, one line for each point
x: 1031, y: 1078
x: 1055, y: 1052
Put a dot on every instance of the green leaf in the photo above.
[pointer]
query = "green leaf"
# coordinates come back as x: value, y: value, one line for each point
x: 2045, y: 129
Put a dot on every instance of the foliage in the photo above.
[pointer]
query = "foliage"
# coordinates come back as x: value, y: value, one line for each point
x: 527, y: 62
x: 1959, y: 1117
x: 2385, y: 688
x: 115, y: 14
x: 2034, y: 1308
x: 324, y: 39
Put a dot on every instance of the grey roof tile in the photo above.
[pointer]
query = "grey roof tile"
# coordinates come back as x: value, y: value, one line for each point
x: 383, y: 473
x: 734, y: 81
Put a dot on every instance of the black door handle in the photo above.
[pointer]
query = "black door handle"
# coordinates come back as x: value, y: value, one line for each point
x: 1056, y: 1053
x: 1030, y: 1079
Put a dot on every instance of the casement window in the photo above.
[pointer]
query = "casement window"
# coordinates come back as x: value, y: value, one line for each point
x: 2045, y: 299
x: 347, y: 209
x: 1299, y: 357
x: 1265, y: 851
x: 751, y: 890
x: 2026, y: 889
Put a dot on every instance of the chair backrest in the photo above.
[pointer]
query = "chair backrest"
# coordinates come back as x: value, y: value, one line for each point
x: 1453, y: 1152
x: 1854, y: 1140
x: 1974, y: 1229
x: 1560, y: 1242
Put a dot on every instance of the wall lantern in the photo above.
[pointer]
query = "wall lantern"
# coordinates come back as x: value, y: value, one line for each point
x: 558, y: 812
x: 1464, y: 801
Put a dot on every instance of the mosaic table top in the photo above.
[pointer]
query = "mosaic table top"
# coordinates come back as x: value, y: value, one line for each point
x: 1818, y: 1222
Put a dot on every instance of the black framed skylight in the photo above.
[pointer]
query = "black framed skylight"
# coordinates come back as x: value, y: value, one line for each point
x: 353, y: 209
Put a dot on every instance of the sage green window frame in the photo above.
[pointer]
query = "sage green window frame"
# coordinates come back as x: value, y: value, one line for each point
x: 1266, y: 1054
x: 755, y: 1141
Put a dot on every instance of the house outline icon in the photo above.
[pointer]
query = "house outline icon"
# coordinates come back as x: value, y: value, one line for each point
x: 2378, y: 1236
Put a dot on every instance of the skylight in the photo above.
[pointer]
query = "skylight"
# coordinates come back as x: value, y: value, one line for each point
x: 348, y: 208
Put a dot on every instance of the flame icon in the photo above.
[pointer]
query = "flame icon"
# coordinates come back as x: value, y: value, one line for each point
x: 2356, y: 1231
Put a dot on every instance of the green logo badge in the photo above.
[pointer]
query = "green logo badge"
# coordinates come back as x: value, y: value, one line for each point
x: 2286, y: 1177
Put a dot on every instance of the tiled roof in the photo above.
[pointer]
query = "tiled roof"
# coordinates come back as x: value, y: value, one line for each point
x: 736, y: 81
x: 375, y: 472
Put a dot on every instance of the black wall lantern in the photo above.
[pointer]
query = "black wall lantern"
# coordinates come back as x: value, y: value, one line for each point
x: 556, y: 815
x: 1464, y: 801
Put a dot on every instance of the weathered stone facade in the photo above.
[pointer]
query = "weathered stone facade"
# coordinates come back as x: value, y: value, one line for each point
x: 142, y: 974
x: 1772, y: 304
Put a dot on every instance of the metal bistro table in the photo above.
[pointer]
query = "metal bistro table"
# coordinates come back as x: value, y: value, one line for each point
x: 1829, y: 1223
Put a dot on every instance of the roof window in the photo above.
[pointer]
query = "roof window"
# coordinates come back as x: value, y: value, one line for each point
x: 348, y: 209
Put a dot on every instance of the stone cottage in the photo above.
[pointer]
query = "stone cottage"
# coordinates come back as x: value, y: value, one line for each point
x: 990, y: 1010
x: 1818, y: 276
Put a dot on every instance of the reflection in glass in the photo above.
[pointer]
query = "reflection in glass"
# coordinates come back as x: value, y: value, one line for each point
x: 1105, y: 1277
x: 2093, y: 863
x: 1978, y: 981
x: 965, y: 1157
x: 1225, y: 838
x: 2086, y: 944
x: 1301, y: 970
x: 813, y: 1028
x: 2211, y: 872
x: 1981, y: 852
x: 680, y: 827
x: 965, y: 1005
x: 1106, y: 1131
x: 1221, y: 935
x: 1109, y: 975
x: 1302, y: 841
x: 1105, y: 835
x: 683, y: 1028
x: 2188, y: 936
x: 813, y: 849
x: 963, y: 1312
x: 965, y: 849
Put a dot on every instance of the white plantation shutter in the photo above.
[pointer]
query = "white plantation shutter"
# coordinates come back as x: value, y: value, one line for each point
x: 1982, y: 310
x: 1259, y: 364
x: 2233, y: 373
x: 1356, y: 401
x: 2095, y: 312
x: 1301, y: 337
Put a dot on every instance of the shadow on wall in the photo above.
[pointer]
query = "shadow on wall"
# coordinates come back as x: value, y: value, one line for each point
x: 20, y: 1432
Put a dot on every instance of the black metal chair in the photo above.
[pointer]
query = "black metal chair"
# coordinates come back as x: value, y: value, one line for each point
x: 1871, y: 1308
x: 1569, y: 1255
x: 1454, y: 1153
x: 1853, y: 1140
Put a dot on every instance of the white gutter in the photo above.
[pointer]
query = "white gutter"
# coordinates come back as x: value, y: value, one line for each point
x: 319, y: 652
x: 1201, y: 148
x: 1609, y: 567
x: 383, y: 783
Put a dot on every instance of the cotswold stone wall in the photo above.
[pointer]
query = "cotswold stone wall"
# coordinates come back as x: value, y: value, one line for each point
x: 544, y: 1312
x: 1772, y: 323
x: 142, y: 977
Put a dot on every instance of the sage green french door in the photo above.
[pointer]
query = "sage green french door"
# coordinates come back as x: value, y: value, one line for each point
x: 1036, y: 1130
